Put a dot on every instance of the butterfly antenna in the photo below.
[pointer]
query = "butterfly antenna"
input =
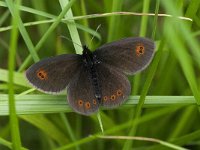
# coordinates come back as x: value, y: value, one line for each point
x: 93, y: 34
x: 64, y: 37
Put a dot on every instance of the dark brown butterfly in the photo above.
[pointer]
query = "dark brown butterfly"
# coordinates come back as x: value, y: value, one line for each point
x: 93, y: 79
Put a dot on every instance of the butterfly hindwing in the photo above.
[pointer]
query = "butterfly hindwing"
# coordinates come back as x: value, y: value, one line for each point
x: 52, y: 75
x: 114, y: 85
x: 80, y: 93
x: 130, y: 55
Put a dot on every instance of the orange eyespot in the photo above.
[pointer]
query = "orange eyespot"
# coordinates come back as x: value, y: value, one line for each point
x: 87, y: 105
x: 105, y: 98
x: 42, y: 74
x: 140, y: 49
x: 94, y: 101
x: 112, y: 97
x: 80, y: 102
x: 119, y: 93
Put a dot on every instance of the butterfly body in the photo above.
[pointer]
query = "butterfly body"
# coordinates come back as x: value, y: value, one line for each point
x: 93, y: 79
x: 90, y: 62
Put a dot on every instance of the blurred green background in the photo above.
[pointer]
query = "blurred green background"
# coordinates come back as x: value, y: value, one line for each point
x: 165, y: 98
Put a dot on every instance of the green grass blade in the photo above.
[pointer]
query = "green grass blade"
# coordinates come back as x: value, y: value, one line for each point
x: 120, y: 127
x: 155, y: 22
x: 144, y: 21
x: 114, y: 21
x: 18, y: 78
x: 182, y: 55
x: 14, y: 124
x: 180, y: 127
x: 48, y: 32
x: 167, y: 144
x: 72, y: 28
x: 22, y: 30
x: 47, y: 126
x: 8, y: 144
x: 181, y: 140
x: 69, y: 128
x: 192, y: 10
x: 4, y: 17
x: 85, y: 22
x: 34, y: 104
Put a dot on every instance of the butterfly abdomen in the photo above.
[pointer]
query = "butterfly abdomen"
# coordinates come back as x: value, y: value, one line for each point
x: 91, y: 62
x: 95, y: 83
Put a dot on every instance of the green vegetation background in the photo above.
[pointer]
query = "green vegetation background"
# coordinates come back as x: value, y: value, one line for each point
x: 164, y: 104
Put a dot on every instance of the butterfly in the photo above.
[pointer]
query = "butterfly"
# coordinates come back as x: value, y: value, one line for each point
x: 94, y: 79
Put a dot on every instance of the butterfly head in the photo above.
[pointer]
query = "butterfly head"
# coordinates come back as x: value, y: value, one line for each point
x: 86, y: 50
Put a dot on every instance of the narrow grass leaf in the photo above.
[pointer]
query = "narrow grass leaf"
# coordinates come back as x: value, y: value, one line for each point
x: 9, y: 144
x: 14, y: 124
x: 72, y: 27
x: 120, y: 127
x: 22, y: 30
x: 18, y: 78
x: 34, y: 104
x: 48, y: 32
x: 44, y: 124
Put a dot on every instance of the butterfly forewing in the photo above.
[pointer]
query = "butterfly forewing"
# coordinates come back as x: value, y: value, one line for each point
x: 114, y: 85
x: 52, y: 75
x: 130, y: 55
x: 80, y: 93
